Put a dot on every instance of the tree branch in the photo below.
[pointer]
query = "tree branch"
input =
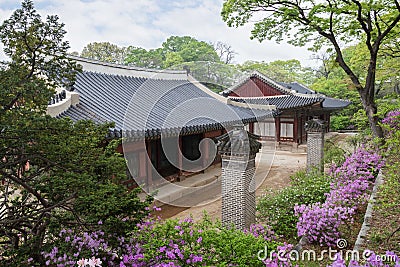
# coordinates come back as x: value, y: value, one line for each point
x: 26, y: 186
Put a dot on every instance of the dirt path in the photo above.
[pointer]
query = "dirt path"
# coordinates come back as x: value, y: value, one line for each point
x: 284, y: 164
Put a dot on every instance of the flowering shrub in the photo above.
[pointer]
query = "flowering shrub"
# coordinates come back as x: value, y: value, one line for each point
x: 259, y: 230
x: 360, y: 163
x: 277, y: 207
x: 164, y: 243
x: 93, y: 262
x: 320, y: 222
x: 392, y: 120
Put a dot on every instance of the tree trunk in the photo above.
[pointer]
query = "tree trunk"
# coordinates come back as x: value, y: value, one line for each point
x: 371, y: 111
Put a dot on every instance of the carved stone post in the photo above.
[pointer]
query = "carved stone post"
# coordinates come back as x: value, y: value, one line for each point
x: 238, y: 149
x: 315, y: 129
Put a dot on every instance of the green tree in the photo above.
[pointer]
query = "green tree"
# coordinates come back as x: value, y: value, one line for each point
x: 197, y: 51
x: 331, y: 23
x: 54, y: 173
x: 172, y: 58
x: 143, y: 58
x: 175, y: 50
x: 281, y: 70
x: 333, y: 81
x: 105, y: 51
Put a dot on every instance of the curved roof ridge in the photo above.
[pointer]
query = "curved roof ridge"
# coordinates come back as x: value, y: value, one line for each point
x: 298, y: 87
x: 257, y: 97
x: 264, y: 78
x: 126, y: 70
x: 235, y: 86
x: 309, y: 95
x: 271, y: 82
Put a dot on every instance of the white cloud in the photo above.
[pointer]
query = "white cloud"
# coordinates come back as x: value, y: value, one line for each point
x: 147, y: 23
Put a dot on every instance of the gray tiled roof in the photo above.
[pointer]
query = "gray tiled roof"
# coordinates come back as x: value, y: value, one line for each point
x: 295, y: 95
x: 262, y: 77
x: 334, y: 103
x: 152, y: 106
x: 299, y: 88
x: 282, y: 102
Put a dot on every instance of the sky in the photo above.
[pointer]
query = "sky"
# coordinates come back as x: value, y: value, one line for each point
x: 148, y: 23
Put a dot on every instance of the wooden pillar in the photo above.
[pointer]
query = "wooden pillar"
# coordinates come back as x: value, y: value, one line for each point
x: 278, y: 129
x: 149, y: 171
x: 295, y: 128
x: 302, y: 128
x: 142, y: 172
x: 206, y: 153
x: 180, y: 155
x: 251, y: 127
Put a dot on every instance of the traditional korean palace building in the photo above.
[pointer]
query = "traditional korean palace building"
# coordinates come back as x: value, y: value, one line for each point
x: 296, y: 104
x: 146, y: 105
x: 154, y: 109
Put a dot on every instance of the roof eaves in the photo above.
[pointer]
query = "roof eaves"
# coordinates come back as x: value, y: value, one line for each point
x: 271, y: 82
x: 127, y: 70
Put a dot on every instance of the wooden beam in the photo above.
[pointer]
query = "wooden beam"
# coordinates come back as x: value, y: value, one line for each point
x: 278, y: 129
x: 180, y: 155
x: 149, y: 172
x: 251, y: 127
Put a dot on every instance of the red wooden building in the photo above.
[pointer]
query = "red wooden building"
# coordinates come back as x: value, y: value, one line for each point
x: 295, y: 102
x: 162, y: 117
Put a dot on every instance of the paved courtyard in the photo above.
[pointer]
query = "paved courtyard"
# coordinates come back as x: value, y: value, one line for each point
x: 274, y: 169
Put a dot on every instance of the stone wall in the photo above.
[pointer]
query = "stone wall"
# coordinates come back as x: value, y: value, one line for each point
x: 238, y: 191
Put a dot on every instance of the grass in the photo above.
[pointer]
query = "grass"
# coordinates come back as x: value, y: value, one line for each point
x: 384, y: 233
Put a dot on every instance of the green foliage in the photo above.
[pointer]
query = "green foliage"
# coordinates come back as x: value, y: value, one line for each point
x: 219, y: 246
x: 339, y: 122
x: 276, y: 208
x: 175, y: 50
x: 25, y: 36
x: 216, y: 75
x: 308, y: 18
x: 386, y: 104
x: 104, y: 51
x: 55, y: 173
x: 332, y: 24
x: 385, y: 231
x: 141, y: 57
x: 333, y: 154
x: 281, y: 70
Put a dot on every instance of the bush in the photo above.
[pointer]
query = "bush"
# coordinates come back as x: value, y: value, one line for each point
x: 320, y: 222
x: 168, y: 243
x: 333, y: 154
x: 277, y: 208
x: 340, y: 122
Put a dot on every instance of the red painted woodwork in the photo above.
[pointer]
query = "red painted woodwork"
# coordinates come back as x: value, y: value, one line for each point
x: 212, y: 134
x: 255, y: 87
x: 142, y: 164
x: 251, y: 127
x: 149, y: 171
x: 278, y: 129
x: 180, y: 160
x: 295, y: 127
x: 131, y: 147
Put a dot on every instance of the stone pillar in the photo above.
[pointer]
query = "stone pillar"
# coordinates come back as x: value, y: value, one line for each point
x: 315, y: 129
x: 238, y: 149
